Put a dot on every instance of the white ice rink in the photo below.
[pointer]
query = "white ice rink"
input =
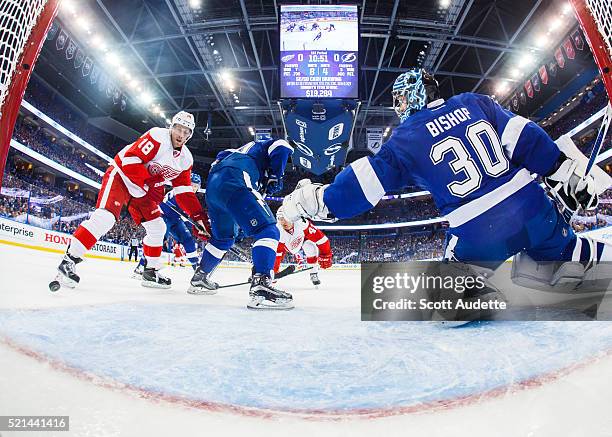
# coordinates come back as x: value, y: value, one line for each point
x: 343, y: 38
x: 122, y: 360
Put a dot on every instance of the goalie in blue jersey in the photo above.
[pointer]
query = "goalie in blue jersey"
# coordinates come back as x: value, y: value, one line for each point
x: 477, y: 160
x: 237, y: 183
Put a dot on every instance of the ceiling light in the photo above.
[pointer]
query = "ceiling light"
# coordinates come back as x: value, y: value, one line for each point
x: 83, y: 23
x: 566, y: 9
x: 555, y: 23
x: 501, y: 88
x: 146, y: 98
x: 96, y: 41
x: 515, y: 73
x: 445, y: 3
x: 112, y: 59
x: 527, y: 59
x: 69, y: 6
x: 195, y: 3
x: 226, y: 75
x: 542, y: 41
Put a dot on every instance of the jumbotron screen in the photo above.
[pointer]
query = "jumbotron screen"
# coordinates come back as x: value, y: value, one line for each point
x: 319, y: 51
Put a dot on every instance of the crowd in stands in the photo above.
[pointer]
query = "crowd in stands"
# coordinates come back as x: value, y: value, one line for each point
x: 50, y: 103
x: 37, y: 139
x: 49, y: 215
x: 591, y: 102
x: 357, y: 246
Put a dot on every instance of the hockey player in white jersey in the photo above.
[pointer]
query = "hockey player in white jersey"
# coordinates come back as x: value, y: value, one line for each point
x: 135, y: 179
x: 476, y: 159
x: 303, y: 235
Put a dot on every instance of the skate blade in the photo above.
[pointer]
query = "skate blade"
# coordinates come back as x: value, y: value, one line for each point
x: 200, y: 291
x: 267, y: 305
x: 149, y: 284
x: 65, y: 281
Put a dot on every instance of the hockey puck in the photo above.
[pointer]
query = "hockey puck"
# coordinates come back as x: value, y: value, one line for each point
x: 54, y: 286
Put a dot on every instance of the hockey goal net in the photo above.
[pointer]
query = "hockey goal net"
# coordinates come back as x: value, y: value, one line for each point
x: 23, y: 26
x: 595, y: 17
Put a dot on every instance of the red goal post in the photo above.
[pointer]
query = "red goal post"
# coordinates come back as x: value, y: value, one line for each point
x: 23, y: 27
x: 595, y: 18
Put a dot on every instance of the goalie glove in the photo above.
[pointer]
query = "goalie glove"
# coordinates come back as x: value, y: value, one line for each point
x: 570, y: 188
x: 306, y: 201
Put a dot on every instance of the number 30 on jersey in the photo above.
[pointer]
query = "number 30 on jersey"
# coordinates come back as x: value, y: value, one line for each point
x: 463, y: 162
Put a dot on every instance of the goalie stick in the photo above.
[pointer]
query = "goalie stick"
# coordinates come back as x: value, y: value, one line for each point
x: 601, y: 136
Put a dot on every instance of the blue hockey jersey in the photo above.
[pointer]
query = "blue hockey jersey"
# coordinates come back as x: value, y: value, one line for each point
x: 258, y: 158
x: 167, y: 205
x: 468, y: 152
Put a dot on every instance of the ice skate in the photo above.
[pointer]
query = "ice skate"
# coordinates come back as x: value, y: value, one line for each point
x: 314, y: 278
x: 67, y: 267
x: 201, y: 284
x: 152, y: 278
x: 137, y: 274
x: 265, y: 297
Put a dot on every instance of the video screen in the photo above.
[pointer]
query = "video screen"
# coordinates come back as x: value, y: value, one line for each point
x: 319, y: 47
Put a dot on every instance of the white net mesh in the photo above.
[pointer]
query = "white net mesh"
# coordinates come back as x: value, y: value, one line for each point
x: 601, y: 10
x: 17, y: 19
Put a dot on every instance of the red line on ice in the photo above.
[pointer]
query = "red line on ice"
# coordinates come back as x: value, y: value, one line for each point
x: 307, y: 414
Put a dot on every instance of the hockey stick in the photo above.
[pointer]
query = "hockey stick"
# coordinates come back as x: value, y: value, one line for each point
x: 239, y: 253
x: 248, y: 282
x: 601, y: 136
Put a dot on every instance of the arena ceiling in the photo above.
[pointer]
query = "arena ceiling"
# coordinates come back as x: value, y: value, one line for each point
x: 181, y: 52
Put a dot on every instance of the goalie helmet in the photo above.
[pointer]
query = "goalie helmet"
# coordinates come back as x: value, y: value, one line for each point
x: 418, y: 87
x: 186, y: 119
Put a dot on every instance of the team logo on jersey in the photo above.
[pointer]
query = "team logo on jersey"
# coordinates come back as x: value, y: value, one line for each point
x: 296, y: 243
x: 166, y: 171
x: 333, y: 149
x: 287, y: 58
x: 253, y: 222
x: 349, y: 57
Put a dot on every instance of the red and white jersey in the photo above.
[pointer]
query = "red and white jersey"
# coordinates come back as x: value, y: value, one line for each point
x: 153, y: 154
x: 179, y: 251
x: 294, y: 241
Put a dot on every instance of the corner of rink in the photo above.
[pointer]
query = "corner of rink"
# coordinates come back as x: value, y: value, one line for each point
x: 120, y: 359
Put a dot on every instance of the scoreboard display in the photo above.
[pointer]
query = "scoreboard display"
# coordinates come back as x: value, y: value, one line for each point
x: 319, y: 51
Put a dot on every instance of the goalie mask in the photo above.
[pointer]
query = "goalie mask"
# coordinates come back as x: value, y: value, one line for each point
x: 412, y: 91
